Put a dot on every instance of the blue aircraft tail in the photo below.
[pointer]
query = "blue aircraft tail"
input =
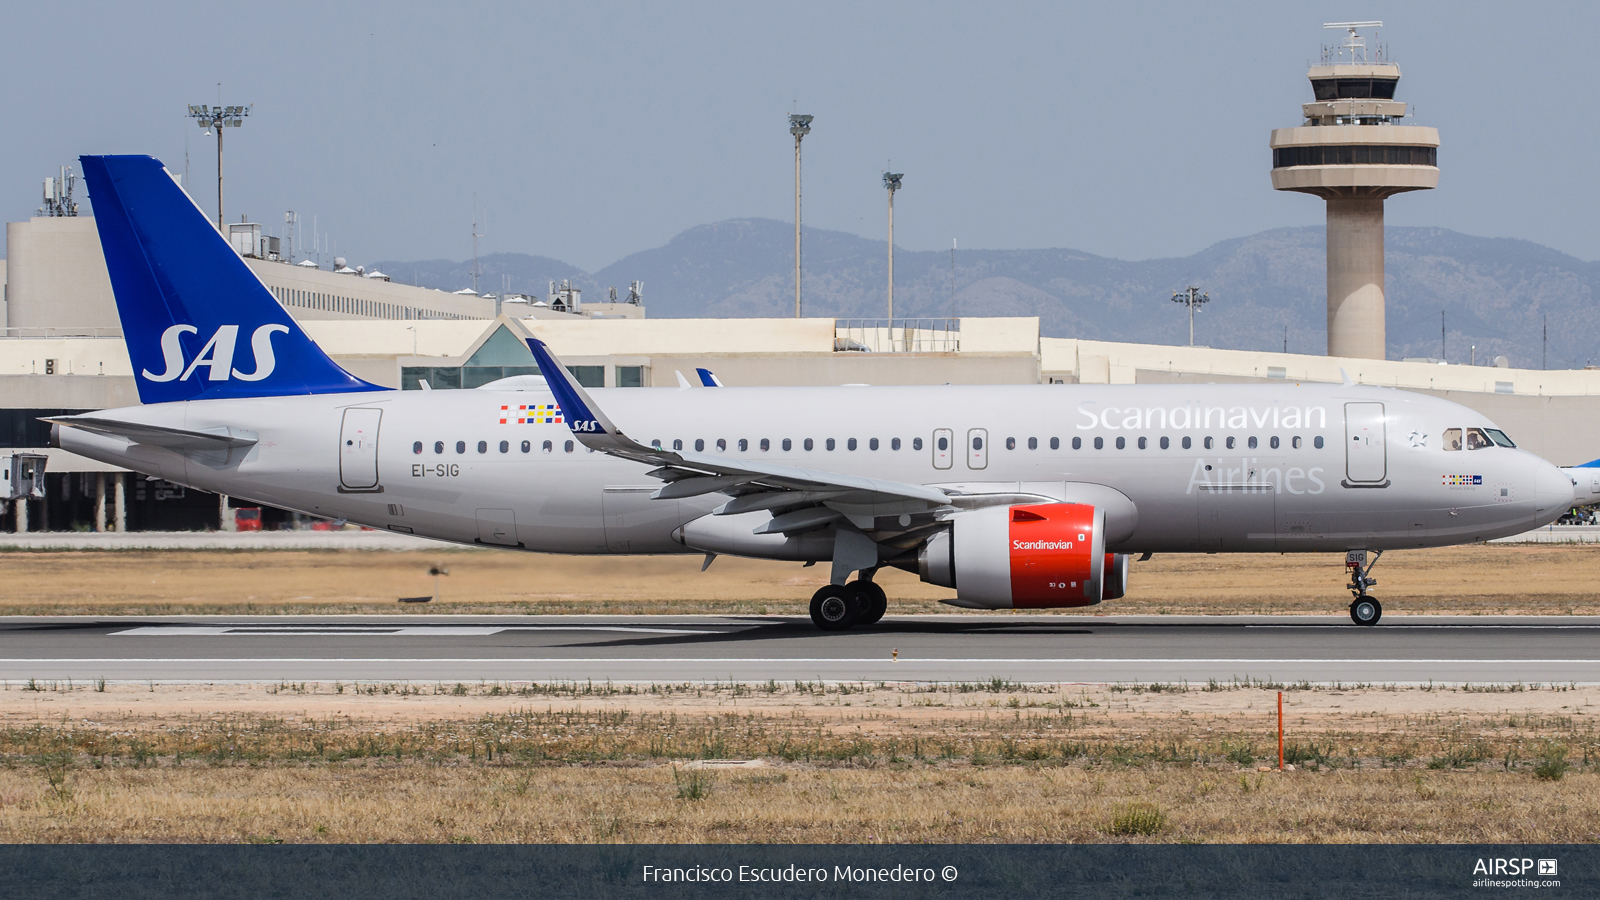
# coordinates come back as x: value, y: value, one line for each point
x: 198, y: 323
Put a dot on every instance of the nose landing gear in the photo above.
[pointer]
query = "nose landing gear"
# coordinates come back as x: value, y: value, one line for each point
x: 1364, y: 609
x: 836, y: 607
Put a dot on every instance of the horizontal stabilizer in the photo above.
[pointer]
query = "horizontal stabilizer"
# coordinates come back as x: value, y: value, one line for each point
x: 171, y: 438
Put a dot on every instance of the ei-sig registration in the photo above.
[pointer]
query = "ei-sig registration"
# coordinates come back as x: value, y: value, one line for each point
x: 792, y: 874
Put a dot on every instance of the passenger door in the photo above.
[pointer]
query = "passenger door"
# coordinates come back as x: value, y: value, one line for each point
x: 1365, y: 447
x: 358, y: 450
x: 943, y: 438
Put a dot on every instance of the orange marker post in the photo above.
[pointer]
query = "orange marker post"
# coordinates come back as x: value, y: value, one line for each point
x: 1280, y: 731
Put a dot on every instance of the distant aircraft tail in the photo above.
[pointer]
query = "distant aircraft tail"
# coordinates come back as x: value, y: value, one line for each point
x: 198, y: 323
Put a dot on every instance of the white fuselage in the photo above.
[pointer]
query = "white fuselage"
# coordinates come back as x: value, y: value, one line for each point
x: 1266, y: 468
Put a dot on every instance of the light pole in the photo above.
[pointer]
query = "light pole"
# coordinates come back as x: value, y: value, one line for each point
x: 1191, y: 297
x: 799, y: 126
x: 892, y: 182
x: 220, y: 116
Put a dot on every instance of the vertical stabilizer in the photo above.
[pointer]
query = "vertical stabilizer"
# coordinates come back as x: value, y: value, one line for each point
x: 198, y: 323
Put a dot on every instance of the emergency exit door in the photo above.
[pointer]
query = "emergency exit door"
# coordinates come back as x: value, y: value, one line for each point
x: 943, y: 441
x: 1366, y: 455
x: 358, y: 450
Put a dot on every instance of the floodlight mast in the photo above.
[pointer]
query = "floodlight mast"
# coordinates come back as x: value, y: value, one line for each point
x: 891, y: 181
x: 799, y: 126
x: 219, y: 116
x: 1192, y: 298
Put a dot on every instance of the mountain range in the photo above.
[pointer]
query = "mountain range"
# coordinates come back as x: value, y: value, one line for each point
x: 1266, y: 290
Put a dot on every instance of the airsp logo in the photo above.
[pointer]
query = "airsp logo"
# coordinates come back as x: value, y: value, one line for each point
x: 217, y: 355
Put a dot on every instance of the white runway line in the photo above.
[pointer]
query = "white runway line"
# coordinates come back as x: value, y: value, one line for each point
x: 903, y: 660
x: 374, y: 630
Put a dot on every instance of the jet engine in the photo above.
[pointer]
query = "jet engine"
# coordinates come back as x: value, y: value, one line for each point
x: 1031, y: 556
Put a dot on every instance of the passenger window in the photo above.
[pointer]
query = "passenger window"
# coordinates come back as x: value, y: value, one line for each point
x: 1166, y: 442
x: 1142, y: 443
x: 851, y: 443
x: 894, y: 444
x: 1122, y: 443
x: 1295, y: 442
x: 1477, y: 439
x: 1317, y: 442
x: 1452, y: 439
x: 1099, y: 443
x: 766, y: 445
x: 1033, y: 443
x: 483, y: 446
x: 417, y: 447
x: 831, y: 443
x: 722, y: 445
x: 1055, y: 443
x: 1252, y: 442
x: 461, y: 446
x: 1210, y: 442
x: 528, y: 445
x: 977, y: 443
x: 916, y: 443
x: 567, y: 447
x: 699, y: 444
x: 808, y: 444
x: 438, y: 446
x: 677, y: 444
x: 1077, y: 443
x: 787, y: 445
x: 944, y: 444
x: 548, y: 446
x: 505, y: 446
x: 1011, y: 443
x: 872, y: 444
x: 1187, y: 443
x: 1274, y: 442
x: 1230, y: 442
x: 744, y: 445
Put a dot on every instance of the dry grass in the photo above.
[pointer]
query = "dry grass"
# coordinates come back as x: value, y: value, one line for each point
x: 1480, y: 579
x: 837, y: 763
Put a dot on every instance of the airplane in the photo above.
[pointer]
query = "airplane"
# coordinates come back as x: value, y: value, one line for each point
x: 1019, y: 496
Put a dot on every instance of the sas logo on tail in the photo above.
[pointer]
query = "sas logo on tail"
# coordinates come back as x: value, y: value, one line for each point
x: 217, y: 355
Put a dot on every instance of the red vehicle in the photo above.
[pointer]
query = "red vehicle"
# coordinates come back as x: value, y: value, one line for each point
x: 247, y: 519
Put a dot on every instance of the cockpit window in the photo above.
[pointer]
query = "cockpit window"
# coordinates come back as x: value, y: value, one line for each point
x: 1477, y: 439
x: 1499, y: 437
x: 1452, y: 439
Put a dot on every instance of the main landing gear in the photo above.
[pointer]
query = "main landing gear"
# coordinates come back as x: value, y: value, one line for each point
x: 836, y: 607
x: 1364, y: 609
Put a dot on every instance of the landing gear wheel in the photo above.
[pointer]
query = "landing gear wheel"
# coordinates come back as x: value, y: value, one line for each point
x: 871, y: 602
x: 1365, y: 610
x: 832, y: 609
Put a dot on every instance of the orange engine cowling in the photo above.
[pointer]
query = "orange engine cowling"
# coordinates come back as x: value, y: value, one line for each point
x: 1023, y: 557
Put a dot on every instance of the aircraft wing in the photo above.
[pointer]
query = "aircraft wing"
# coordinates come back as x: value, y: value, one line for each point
x: 786, y: 490
x: 161, y: 436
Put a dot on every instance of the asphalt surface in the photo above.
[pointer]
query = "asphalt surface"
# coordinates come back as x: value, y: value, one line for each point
x: 1401, y: 650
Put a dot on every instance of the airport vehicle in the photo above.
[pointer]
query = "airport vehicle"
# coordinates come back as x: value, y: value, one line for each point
x: 1014, y: 496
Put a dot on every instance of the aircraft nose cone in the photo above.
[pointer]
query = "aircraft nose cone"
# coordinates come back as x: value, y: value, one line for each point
x: 1553, y: 492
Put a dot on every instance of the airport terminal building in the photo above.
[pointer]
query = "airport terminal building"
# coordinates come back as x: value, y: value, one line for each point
x: 61, y: 352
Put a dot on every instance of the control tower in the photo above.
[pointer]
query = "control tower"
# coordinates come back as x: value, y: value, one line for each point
x: 1352, y: 152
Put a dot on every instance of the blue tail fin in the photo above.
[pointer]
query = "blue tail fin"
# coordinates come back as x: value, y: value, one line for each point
x: 199, y: 324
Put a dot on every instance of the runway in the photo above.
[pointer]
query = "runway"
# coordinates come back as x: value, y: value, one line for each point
x: 643, y: 649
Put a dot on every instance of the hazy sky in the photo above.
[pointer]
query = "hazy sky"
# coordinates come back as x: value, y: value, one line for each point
x: 593, y: 130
